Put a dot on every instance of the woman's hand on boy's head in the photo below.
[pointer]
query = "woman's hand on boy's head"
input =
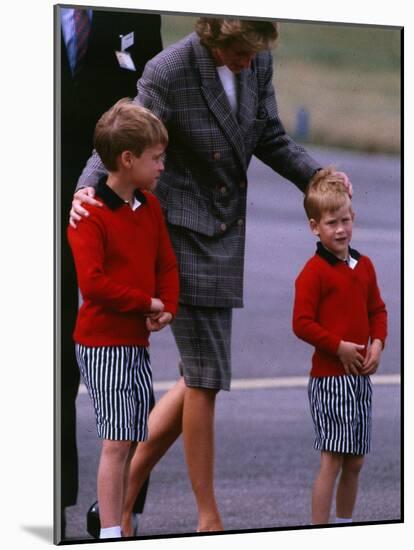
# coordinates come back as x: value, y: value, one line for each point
x: 83, y: 196
x: 347, y: 182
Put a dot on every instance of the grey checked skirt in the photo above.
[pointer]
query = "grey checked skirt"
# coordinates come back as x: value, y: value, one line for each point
x: 203, y: 337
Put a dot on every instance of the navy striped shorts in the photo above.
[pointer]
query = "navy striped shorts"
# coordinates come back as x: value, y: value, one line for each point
x: 119, y: 382
x: 341, y: 412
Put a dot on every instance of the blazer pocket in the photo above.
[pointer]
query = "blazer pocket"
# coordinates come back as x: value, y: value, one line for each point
x: 191, y: 211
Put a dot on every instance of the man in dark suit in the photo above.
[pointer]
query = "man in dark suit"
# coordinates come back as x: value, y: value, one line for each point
x: 90, y: 79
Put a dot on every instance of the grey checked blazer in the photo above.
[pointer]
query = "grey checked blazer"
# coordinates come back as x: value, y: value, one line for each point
x: 204, y: 185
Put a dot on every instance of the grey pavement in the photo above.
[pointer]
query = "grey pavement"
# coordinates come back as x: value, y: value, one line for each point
x: 264, y: 467
x: 265, y: 461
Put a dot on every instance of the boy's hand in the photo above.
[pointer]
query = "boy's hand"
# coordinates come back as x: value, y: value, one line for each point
x: 350, y: 357
x: 159, y: 322
x: 85, y: 195
x: 157, y: 307
x: 372, y: 357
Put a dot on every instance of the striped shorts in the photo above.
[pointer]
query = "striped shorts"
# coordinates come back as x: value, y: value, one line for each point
x: 203, y: 337
x: 119, y: 382
x: 341, y: 412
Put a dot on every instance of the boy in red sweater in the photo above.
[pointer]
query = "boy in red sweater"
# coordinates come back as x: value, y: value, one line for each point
x: 127, y: 274
x: 338, y: 309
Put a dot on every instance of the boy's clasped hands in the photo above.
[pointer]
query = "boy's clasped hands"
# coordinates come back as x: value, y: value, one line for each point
x: 157, y: 318
x: 354, y: 362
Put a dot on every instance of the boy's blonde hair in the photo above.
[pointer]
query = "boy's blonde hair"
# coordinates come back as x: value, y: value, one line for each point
x: 326, y: 192
x: 222, y: 33
x: 127, y: 127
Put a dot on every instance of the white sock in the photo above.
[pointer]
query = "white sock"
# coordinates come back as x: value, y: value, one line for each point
x: 343, y: 520
x: 110, y: 532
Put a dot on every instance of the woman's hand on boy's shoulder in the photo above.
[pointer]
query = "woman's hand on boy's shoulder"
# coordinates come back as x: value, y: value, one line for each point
x: 86, y: 195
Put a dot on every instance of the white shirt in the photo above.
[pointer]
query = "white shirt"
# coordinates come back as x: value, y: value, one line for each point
x: 136, y: 204
x: 228, y: 79
x: 352, y: 262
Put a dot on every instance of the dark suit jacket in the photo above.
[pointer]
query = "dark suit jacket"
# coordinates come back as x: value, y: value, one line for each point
x: 101, y: 81
x: 203, y: 188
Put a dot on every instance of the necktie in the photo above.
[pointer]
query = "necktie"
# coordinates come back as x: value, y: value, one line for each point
x: 82, y: 29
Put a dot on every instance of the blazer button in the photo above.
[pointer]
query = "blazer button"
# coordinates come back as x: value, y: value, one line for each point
x: 223, y: 227
x: 262, y: 114
x: 240, y: 222
x: 223, y: 190
x: 216, y: 156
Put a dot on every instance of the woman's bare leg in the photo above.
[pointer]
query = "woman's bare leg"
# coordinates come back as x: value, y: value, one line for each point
x: 164, y: 426
x: 198, y: 434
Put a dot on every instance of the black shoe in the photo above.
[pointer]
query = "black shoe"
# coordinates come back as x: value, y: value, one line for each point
x: 93, y: 523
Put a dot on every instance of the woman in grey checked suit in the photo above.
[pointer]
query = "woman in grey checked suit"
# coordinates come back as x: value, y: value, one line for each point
x: 214, y: 92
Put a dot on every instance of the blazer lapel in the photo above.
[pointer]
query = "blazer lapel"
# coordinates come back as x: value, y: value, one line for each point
x: 215, y: 96
x: 248, y: 99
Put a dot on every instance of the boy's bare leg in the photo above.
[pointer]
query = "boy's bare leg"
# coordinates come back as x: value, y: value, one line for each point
x: 164, y: 426
x: 323, y: 486
x: 131, y: 453
x: 348, y: 485
x: 198, y: 434
x: 111, y: 472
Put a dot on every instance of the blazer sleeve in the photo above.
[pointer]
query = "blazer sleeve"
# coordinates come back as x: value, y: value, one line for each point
x: 305, y: 325
x: 94, y: 170
x: 154, y: 89
x: 275, y: 148
x: 88, y: 249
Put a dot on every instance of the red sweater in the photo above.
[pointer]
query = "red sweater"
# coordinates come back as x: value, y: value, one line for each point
x: 334, y: 302
x: 123, y: 258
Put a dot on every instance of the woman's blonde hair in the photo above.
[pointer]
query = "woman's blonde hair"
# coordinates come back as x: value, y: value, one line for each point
x: 326, y: 192
x: 221, y: 33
